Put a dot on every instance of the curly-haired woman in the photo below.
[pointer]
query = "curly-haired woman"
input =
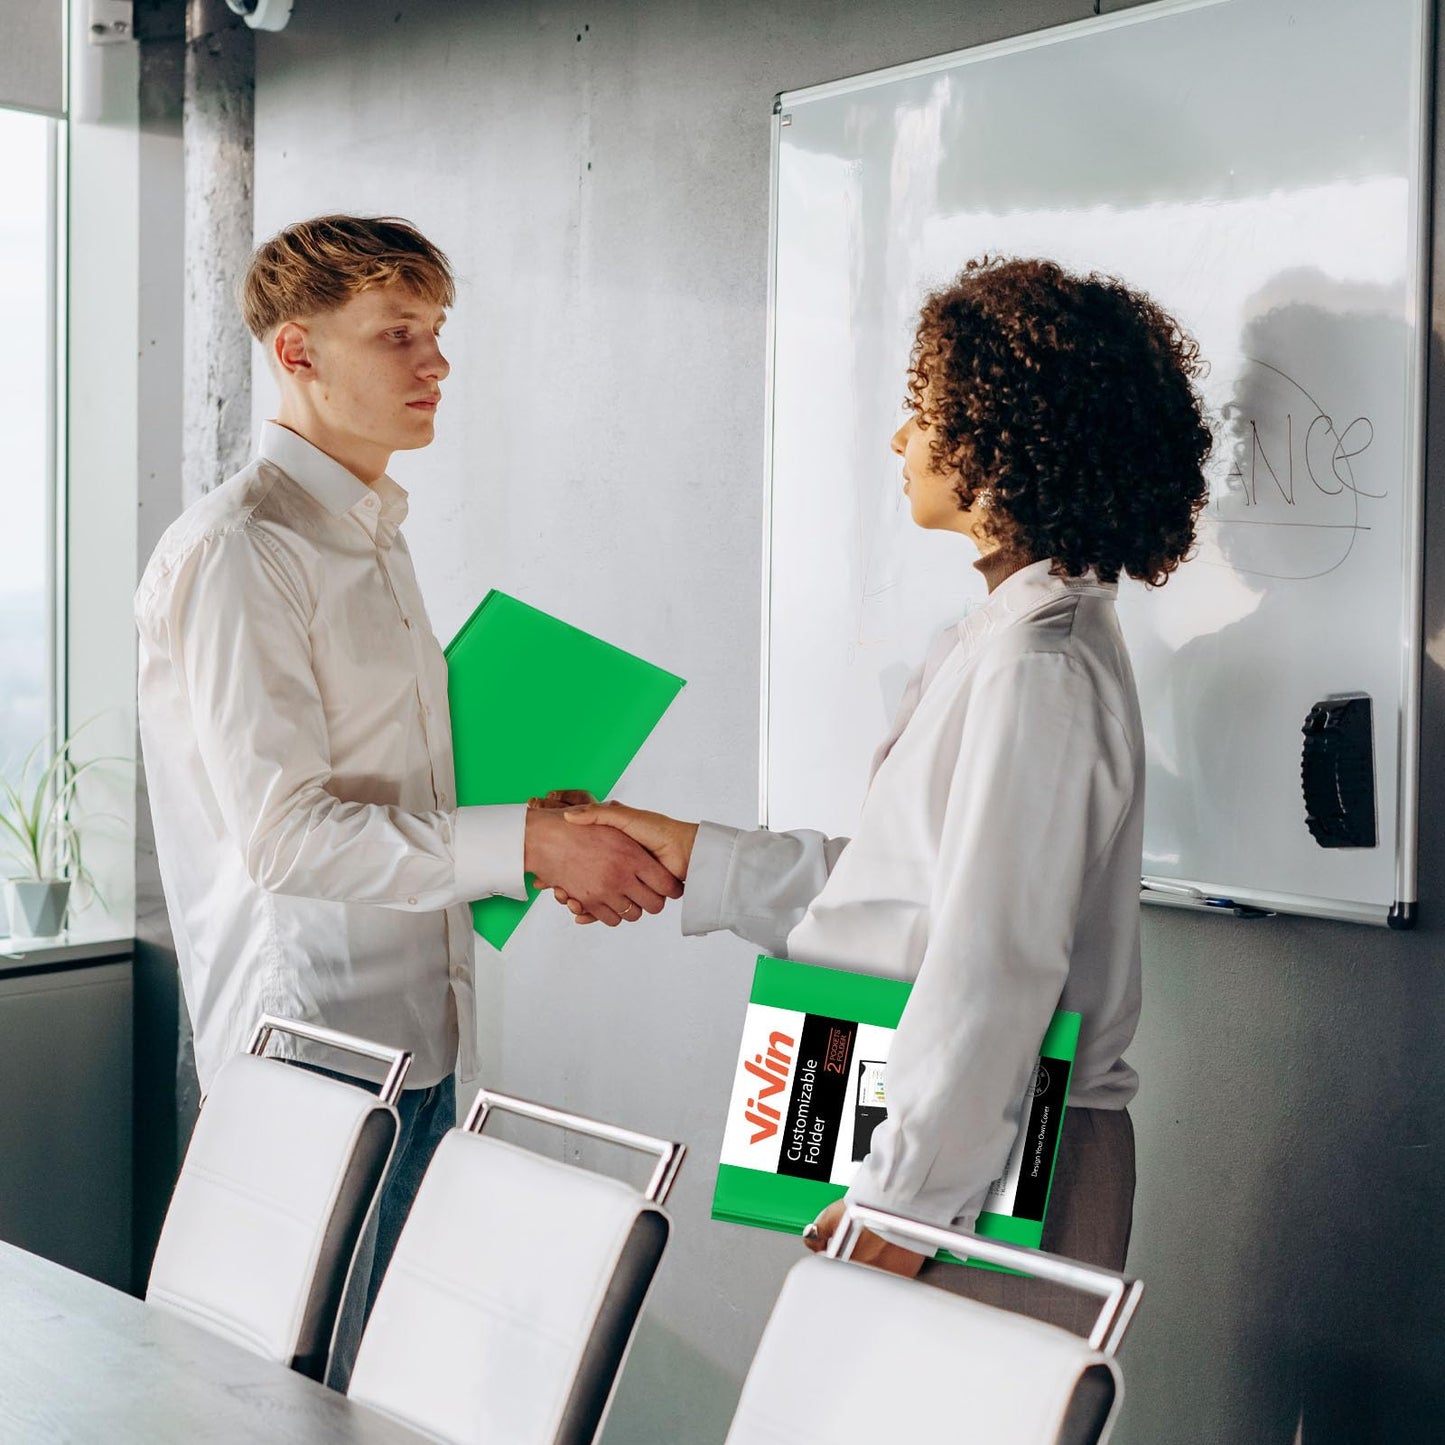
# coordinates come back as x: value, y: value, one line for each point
x: 1054, y: 422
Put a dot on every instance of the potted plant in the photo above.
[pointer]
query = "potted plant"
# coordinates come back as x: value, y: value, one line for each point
x: 39, y: 833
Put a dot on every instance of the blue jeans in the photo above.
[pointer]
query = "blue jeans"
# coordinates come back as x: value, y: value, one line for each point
x: 426, y: 1115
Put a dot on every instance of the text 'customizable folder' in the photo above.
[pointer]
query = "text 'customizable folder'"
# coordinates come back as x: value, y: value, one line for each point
x: 539, y: 705
x: 811, y: 1086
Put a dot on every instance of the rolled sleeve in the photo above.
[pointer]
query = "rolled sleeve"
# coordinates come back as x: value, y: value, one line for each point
x: 754, y: 882
x: 707, y: 876
x: 489, y: 843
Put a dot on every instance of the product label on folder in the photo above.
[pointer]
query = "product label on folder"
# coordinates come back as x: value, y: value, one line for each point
x: 811, y: 1088
x: 798, y: 1095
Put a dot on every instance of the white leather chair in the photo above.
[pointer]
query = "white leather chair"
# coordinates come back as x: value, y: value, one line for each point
x: 282, y: 1171
x: 854, y: 1356
x: 511, y: 1300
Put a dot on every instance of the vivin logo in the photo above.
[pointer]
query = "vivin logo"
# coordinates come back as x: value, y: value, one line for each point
x: 772, y: 1069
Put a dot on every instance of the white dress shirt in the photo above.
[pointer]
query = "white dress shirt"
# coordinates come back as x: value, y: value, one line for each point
x: 996, y: 865
x: 298, y: 752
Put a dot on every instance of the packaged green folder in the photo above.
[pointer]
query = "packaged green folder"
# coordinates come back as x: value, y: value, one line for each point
x: 539, y: 705
x: 811, y: 1086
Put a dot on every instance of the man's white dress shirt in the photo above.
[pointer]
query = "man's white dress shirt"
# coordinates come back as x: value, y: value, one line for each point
x: 996, y: 865
x: 298, y: 752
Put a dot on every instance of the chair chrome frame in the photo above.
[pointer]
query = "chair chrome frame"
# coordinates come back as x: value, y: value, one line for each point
x: 398, y: 1061
x: 1119, y: 1293
x: 670, y: 1154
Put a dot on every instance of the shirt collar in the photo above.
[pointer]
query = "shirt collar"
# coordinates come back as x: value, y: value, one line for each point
x: 1025, y: 591
x: 382, y: 506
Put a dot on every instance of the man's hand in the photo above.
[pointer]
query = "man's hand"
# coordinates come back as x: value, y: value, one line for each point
x: 869, y: 1249
x: 669, y: 840
x: 563, y: 798
x: 610, y: 876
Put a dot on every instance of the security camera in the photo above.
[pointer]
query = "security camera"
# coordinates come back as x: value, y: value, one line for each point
x: 262, y: 14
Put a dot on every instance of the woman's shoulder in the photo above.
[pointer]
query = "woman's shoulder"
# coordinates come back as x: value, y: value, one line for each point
x: 1072, y: 623
x: 1072, y: 644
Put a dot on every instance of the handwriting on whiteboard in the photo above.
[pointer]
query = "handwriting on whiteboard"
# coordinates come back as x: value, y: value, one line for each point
x: 1293, y: 497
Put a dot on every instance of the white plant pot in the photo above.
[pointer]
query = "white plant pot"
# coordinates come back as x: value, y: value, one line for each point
x: 37, y: 906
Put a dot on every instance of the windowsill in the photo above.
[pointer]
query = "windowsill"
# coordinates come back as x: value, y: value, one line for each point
x: 77, y: 945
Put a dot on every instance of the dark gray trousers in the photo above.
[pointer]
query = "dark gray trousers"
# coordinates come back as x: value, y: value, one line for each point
x: 1091, y: 1213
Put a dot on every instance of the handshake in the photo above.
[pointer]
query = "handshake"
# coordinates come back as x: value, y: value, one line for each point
x: 607, y: 862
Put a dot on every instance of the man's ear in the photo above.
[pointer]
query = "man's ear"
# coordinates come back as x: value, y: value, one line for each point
x: 291, y: 350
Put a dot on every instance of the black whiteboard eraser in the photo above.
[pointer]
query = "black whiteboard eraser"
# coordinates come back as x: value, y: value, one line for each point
x: 1337, y: 772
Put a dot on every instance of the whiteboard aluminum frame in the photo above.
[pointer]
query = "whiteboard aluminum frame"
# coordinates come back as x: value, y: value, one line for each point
x: 1176, y: 893
x: 1420, y: 282
x: 764, y: 689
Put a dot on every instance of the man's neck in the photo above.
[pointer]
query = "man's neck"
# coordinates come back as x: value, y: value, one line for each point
x: 363, y: 460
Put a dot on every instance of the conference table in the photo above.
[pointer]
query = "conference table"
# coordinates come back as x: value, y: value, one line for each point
x: 81, y: 1362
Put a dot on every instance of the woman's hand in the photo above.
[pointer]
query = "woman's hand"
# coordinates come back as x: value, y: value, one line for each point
x: 609, y: 876
x: 669, y: 840
x: 869, y: 1248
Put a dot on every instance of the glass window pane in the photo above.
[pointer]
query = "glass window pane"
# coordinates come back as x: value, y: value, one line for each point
x: 26, y: 431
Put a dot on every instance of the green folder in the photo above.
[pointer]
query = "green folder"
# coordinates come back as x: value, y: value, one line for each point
x: 539, y: 705
x: 811, y: 1086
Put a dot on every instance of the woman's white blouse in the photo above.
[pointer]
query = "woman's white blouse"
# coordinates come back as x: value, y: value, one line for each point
x: 996, y: 864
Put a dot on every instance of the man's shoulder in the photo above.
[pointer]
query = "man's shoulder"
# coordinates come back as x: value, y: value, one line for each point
x: 247, y: 509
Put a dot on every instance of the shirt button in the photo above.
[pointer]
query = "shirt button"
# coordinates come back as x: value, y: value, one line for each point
x: 370, y: 501
x: 412, y: 901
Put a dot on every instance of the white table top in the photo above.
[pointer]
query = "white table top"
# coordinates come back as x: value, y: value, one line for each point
x: 82, y: 1363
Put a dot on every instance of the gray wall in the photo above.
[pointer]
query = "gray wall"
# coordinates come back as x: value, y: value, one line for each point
x: 599, y: 174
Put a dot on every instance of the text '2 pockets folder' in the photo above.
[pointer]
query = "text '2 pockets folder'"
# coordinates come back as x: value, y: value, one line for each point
x: 538, y: 705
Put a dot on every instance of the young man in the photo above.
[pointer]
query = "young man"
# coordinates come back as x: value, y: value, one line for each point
x: 293, y: 707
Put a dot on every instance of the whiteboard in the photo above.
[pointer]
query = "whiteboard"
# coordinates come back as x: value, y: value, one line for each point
x: 1258, y: 166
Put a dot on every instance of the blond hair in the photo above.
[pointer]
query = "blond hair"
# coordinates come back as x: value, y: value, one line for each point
x: 318, y: 265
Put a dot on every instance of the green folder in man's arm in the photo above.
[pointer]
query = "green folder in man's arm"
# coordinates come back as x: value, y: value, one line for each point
x: 538, y: 705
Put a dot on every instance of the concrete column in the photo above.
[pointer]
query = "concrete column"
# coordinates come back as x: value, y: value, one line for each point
x: 197, y: 87
x: 220, y: 93
x: 219, y: 142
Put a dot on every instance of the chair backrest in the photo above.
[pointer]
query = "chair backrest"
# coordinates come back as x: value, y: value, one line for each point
x: 282, y: 1171
x: 853, y: 1355
x: 511, y: 1301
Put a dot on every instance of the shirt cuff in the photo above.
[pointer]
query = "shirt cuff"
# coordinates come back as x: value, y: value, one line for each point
x: 707, y: 876
x: 488, y: 845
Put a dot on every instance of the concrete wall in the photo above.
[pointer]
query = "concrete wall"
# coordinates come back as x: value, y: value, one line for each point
x: 599, y: 173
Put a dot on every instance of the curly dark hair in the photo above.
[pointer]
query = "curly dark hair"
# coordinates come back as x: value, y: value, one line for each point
x: 1067, y: 406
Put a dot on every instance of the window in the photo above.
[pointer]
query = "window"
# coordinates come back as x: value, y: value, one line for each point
x: 28, y: 432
